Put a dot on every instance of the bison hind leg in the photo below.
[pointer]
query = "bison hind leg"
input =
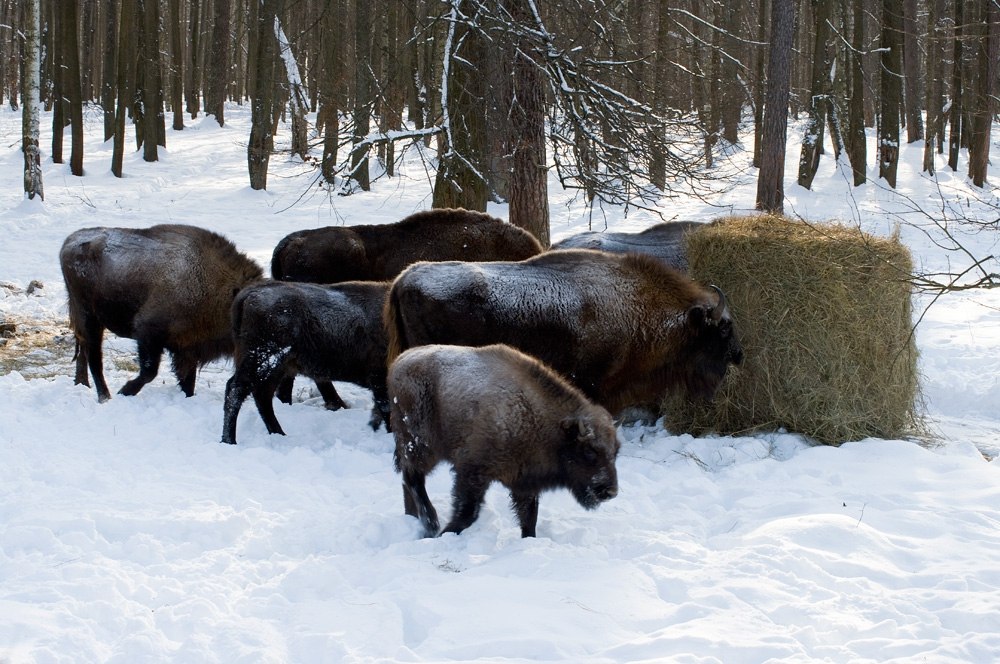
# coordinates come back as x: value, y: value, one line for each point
x: 417, y: 503
x: 186, y: 370
x: 467, y: 497
x: 149, y: 364
x: 331, y: 400
x: 284, y: 391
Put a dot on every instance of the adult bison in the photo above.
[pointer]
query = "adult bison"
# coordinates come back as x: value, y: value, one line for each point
x: 497, y: 415
x: 169, y: 287
x: 625, y: 328
x: 664, y: 241
x: 327, y: 333
x: 380, y: 252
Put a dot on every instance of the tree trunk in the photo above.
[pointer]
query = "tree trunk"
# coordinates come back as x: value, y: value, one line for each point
x: 934, y: 67
x: 891, y: 89
x: 262, y: 103
x: 955, y: 112
x: 31, y: 101
x: 988, y: 54
x: 330, y: 89
x: 911, y: 73
x: 124, y: 80
x: 770, y: 179
x: 820, y: 104
x: 218, y: 75
x: 363, y: 94
x: 459, y: 181
x: 110, y: 58
x: 193, y: 79
x: 177, y: 70
x: 70, y: 79
x: 657, y: 154
x: 529, y: 201
x: 298, y: 98
x: 59, y: 101
x: 152, y: 125
x: 759, y: 82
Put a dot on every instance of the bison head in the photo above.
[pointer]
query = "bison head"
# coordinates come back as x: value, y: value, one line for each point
x: 713, y: 346
x: 587, y: 458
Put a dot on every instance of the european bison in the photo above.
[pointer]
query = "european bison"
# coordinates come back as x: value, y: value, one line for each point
x: 324, y: 332
x: 169, y: 287
x: 380, y: 252
x: 497, y: 415
x: 664, y: 241
x: 624, y: 328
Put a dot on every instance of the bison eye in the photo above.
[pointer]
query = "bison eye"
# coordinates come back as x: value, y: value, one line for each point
x: 589, y: 455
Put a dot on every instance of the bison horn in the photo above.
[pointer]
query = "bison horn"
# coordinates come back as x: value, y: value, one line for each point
x: 722, y: 308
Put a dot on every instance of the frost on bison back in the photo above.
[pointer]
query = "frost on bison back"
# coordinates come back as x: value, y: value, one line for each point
x: 497, y: 415
x: 169, y: 287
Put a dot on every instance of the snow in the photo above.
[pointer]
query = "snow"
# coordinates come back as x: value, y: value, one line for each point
x: 129, y: 534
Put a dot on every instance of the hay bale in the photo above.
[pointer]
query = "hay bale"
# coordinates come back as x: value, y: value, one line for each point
x: 823, y: 312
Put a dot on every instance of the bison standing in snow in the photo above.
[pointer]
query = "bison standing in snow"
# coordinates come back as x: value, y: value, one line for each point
x: 169, y: 287
x: 497, y: 415
x: 324, y: 332
x: 380, y: 252
x: 664, y: 241
x: 624, y: 328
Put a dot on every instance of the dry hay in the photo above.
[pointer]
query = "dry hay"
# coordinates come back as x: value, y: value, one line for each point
x: 823, y: 313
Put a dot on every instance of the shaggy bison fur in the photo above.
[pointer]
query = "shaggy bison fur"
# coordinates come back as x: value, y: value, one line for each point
x: 324, y: 332
x: 497, y: 415
x: 663, y: 241
x: 169, y: 287
x: 624, y: 328
x: 380, y: 252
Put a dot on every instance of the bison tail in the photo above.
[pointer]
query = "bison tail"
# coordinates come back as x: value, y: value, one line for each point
x: 392, y: 318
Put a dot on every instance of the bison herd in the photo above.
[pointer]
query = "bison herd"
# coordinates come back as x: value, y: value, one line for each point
x: 479, y: 347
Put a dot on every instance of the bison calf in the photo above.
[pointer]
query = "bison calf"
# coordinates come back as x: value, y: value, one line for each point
x: 495, y: 414
x: 169, y: 287
x: 324, y: 332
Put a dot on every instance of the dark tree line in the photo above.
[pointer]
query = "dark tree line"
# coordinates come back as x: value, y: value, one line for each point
x: 630, y: 100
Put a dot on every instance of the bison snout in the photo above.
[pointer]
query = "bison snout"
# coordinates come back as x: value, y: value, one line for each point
x: 606, y: 491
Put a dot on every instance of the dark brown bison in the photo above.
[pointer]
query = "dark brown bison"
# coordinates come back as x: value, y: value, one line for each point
x: 380, y: 252
x: 664, y: 241
x: 169, y: 287
x: 324, y: 332
x: 497, y: 415
x: 624, y: 328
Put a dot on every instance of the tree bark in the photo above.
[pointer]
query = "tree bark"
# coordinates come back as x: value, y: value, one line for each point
x: 124, y: 80
x: 934, y: 90
x: 759, y: 83
x: 820, y: 103
x: 770, y: 179
x: 110, y: 58
x: 988, y: 54
x: 31, y: 101
x: 193, y: 78
x: 262, y: 102
x: 529, y: 201
x: 363, y: 97
x: 177, y: 70
x: 957, y: 100
x: 218, y: 76
x: 891, y: 89
x: 911, y: 73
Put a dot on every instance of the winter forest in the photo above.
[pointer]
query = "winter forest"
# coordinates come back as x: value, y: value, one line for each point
x: 633, y: 98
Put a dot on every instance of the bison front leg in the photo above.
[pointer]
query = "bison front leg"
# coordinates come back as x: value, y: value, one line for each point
x: 380, y: 405
x: 149, y: 365
x: 91, y: 355
x: 526, y: 507
x: 417, y: 503
x: 467, y: 497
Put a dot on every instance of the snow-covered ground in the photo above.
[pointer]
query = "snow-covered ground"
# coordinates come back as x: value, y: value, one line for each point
x: 129, y: 534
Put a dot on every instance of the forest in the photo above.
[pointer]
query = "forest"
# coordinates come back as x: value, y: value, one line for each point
x: 632, y: 99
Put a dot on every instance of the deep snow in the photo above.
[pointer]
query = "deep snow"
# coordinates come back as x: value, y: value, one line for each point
x: 129, y: 534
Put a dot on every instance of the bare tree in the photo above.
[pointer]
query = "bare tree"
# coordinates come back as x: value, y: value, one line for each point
x: 934, y: 134
x: 857, y: 141
x: 770, y: 179
x: 988, y: 47
x: 124, y: 80
x: 820, y: 105
x: 218, y: 75
x: 262, y: 102
x: 30, y: 102
x: 891, y: 90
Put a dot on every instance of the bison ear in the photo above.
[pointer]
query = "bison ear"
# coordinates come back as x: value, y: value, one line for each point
x: 697, y: 315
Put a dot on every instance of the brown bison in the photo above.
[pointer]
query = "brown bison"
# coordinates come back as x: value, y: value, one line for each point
x: 624, y: 328
x: 324, y: 332
x: 380, y: 252
x: 497, y: 415
x: 664, y: 241
x: 169, y: 287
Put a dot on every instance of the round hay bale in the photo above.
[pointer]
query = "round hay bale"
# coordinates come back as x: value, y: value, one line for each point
x: 823, y: 313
